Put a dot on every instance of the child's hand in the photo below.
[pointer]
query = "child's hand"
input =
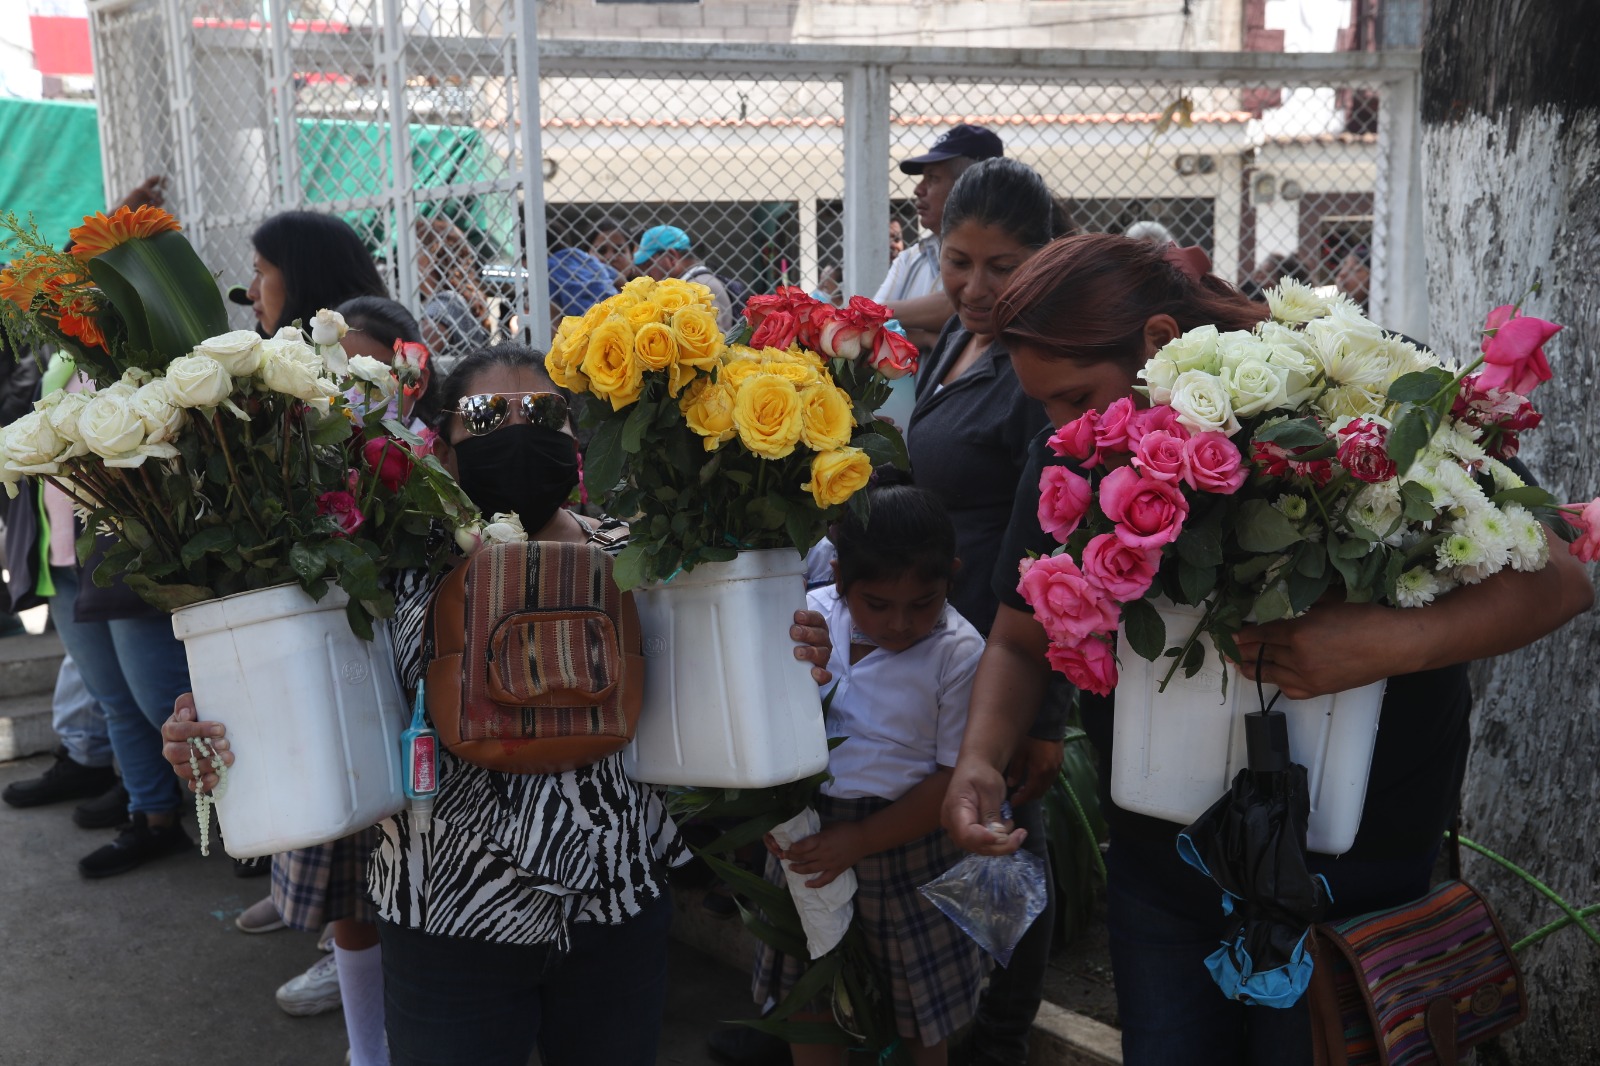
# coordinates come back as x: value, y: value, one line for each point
x: 828, y: 853
x: 772, y: 846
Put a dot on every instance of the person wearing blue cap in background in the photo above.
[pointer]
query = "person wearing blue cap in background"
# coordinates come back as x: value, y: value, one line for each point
x: 667, y: 252
x: 912, y: 288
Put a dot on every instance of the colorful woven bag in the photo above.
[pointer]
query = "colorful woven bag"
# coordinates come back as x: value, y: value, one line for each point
x: 1414, y: 984
x: 533, y: 658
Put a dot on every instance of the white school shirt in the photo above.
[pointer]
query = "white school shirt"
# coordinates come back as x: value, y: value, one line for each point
x: 902, y: 712
x: 914, y: 272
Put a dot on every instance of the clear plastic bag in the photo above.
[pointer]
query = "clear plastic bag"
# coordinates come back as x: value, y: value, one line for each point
x: 992, y: 898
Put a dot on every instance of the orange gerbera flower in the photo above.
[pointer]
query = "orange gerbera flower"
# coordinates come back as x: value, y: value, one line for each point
x: 84, y: 328
x: 20, y: 282
x: 100, y: 234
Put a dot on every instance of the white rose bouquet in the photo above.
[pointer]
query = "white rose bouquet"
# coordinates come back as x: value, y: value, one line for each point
x: 1314, y: 455
x: 216, y: 462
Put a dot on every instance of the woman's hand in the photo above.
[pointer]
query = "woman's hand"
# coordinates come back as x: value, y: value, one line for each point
x: 810, y: 634
x: 1033, y: 769
x: 827, y: 853
x: 175, y: 734
x: 972, y: 806
x: 1331, y: 648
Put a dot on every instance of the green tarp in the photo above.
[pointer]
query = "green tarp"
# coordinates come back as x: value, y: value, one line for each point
x: 50, y: 164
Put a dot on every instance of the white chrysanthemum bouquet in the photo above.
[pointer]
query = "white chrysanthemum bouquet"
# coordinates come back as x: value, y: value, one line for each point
x: 1315, y: 455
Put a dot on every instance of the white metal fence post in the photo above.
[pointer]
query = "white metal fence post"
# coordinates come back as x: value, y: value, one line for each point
x: 866, y: 179
x: 188, y: 201
x: 402, y: 201
x: 1399, y: 265
x: 280, y: 85
x: 535, y: 315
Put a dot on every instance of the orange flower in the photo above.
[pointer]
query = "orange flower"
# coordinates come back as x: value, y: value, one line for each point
x: 20, y: 282
x: 83, y: 328
x: 100, y: 234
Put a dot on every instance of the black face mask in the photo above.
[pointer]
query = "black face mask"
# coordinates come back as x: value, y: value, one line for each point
x: 525, y: 470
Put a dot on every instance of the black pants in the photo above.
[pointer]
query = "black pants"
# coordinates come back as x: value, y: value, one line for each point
x: 449, y: 1001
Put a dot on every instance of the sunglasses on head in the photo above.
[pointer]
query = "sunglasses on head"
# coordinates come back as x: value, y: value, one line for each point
x: 486, y: 412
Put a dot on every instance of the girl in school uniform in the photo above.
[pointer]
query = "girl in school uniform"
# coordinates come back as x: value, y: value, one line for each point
x: 904, y: 661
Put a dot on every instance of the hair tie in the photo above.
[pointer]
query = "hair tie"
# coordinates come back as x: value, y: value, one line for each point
x: 1192, y: 261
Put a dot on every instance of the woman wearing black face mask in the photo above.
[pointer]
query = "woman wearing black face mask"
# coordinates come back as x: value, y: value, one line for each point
x: 535, y: 910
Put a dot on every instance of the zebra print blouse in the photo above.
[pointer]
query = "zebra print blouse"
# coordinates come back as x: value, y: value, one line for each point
x: 516, y: 858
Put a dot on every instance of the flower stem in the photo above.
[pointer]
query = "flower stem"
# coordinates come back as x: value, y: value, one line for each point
x: 1543, y: 889
x: 233, y: 473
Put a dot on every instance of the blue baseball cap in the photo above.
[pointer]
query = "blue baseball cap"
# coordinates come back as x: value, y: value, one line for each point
x: 658, y: 239
x: 963, y: 141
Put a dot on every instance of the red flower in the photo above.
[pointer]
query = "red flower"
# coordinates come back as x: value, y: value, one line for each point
x: 1077, y: 439
x: 892, y: 355
x: 1277, y: 461
x: 1063, y: 501
x: 1148, y: 513
x: 1501, y: 414
x: 1513, y: 351
x: 1362, y: 452
x: 1089, y: 665
x: 869, y: 313
x: 341, y: 507
x: 1111, y: 432
x: 777, y: 330
x: 389, y: 459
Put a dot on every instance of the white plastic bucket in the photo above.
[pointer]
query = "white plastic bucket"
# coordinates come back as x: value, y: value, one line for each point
x: 314, y: 716
x: 726, y: 703
x: 1174, y: 753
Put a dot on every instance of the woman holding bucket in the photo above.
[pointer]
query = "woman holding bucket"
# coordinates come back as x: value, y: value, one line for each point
x: 1080, y: 319
x: 536, y: 905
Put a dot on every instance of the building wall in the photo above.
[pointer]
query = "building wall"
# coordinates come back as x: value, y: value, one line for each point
x: 1212, y: 25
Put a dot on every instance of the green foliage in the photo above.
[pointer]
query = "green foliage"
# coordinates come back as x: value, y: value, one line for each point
x: 1075, y: 828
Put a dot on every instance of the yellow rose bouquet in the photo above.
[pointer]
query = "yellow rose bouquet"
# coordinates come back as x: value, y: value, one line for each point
x: 711, y: 448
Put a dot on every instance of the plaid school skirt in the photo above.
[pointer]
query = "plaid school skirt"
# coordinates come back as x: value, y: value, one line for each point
x: 931, y: 969
x: 321, y: 884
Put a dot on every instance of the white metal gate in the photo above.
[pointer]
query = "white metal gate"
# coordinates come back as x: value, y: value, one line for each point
x: 417, y: 127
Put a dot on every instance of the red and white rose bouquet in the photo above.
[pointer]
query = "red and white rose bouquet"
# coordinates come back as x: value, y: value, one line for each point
x: 1315, y: 455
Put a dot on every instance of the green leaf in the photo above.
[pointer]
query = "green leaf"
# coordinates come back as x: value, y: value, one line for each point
x: 1147, y: 633
x: 1305, y: 590
x: 1419, y: 386
x: 886, y: 432
x: 1411, y: 433
x: 308, y: 561
x: 817, y: 979
x: 328, y: 429
x: 1417, y: 501
x: 602, y: 463
x: 1263, y: 528
x: 167, y: 597
x: 1295, y: 433
x: 216, y: 539
x: 1194, y: 659
x: 1527, y: 496
x: 1200, y: 545
x: 1197, y: 582
x: 634, y: 426
x: 360, y: 621
x: 1273, y: 603
x: 1253, y: 568
x: 160, y: 282
x: 1311, y: 560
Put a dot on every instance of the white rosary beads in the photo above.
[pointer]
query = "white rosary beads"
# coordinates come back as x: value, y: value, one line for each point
x: 204, y: 801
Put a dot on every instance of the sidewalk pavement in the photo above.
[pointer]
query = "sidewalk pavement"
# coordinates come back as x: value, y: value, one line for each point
x: 147, y: 969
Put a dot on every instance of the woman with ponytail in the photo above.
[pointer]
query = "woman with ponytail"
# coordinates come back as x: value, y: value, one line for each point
x: 1080, y: 320
x: 967, y: 440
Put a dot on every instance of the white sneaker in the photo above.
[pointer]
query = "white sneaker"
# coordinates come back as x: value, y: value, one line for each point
x: 314, y: 992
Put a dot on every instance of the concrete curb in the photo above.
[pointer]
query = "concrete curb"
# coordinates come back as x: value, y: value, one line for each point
x: 1060, y: 1037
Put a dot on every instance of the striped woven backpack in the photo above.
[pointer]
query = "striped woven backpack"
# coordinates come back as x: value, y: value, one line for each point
x: 1414, y: 984
x: 533, y: 658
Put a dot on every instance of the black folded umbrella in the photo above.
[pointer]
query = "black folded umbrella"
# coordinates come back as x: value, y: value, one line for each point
x: 1252, y: 843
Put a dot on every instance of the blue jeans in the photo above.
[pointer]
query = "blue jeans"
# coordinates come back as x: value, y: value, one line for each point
x: 450, y: 1000
x: 1005, y: 1013
x: 78, y: 720
x: 134, y: 668
x: 1165, y: 917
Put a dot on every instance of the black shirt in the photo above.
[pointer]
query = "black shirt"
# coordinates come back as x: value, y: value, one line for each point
x: 968, y: 443
x: 1419, y: 759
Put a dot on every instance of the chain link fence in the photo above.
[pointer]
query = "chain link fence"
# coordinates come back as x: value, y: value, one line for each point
x: 405, y: 117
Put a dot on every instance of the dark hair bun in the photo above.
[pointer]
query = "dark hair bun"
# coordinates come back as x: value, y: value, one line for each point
x: 889, y: 474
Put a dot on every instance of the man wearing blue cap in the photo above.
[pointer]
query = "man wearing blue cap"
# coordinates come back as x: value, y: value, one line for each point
x: 666, y: 252
x: 912, y: 289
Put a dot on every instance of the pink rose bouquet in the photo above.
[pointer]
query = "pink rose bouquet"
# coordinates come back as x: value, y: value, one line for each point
x: 1264, y: 470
